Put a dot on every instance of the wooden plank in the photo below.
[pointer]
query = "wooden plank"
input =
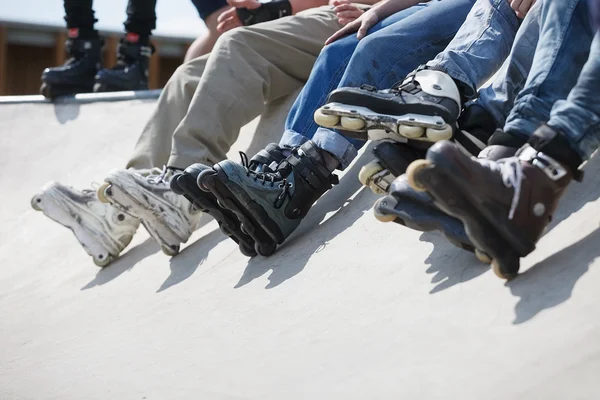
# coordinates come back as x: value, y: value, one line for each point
x: 110, y: 51
x: 154, y: 79
x: 60, y: 55
x: 3, y: 60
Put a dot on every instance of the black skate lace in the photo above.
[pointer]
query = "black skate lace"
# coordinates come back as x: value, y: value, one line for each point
x: 268, y: 178
x: 511, y: 171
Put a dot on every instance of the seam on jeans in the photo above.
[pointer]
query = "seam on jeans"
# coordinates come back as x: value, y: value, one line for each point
x: 557, y: 49
x: 340, y: 71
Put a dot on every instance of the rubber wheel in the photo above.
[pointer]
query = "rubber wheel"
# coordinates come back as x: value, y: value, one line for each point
x: 411, y: 174
x: 411, y: 132
x: 35, y: 202
x: 483, y: 257
x: 326, y: 120
x: 247, y: 251
x: 500, y: 273
x: 103, y: 261
x: 436, y: 135
x: 265, y: 250
x: 206, y: 174
x: 101, y: 193
x: 380, y: 216
x: 170, y: 251
x: 353, y: 124
x: 367, y: 171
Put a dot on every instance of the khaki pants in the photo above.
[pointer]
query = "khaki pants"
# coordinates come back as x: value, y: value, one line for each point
x: 207, y: 100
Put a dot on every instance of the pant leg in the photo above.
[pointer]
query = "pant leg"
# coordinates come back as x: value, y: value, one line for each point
x: 154, y: 144
x: 563, y: 48
x: 480, y: 46
x: 498, y: 98
x: 325, y: 77
x: 248, y: 67
x: 578, y: 117
x: 79, y: 14
x: 141, y: 17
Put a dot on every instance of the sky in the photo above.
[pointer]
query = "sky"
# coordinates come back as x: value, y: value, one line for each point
x: 175, y: 17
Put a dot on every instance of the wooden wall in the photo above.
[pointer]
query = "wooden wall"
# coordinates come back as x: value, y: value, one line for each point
x: 21, y: 65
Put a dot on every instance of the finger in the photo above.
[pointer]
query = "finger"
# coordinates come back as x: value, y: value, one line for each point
x: 515, y: 4
x: 340, y: 2
x: 228, y: 25
x: 344, y: 7
x: 225, y: 15
x: 362, y: 31
x: 525, y: 6
x: 341, y: 33
x: 351, y: 15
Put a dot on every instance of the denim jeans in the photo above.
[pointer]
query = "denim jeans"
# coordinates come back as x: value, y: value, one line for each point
x: 578, y: 117
x: 565, y: 37
x: 393, y: 48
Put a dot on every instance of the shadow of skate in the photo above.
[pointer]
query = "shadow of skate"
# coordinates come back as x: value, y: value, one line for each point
x: 124, y: 263
x: 313, y: 235
x: 449, y: 264
x: 66, y: 112
x: 551, y: 281
x: 184, y: 264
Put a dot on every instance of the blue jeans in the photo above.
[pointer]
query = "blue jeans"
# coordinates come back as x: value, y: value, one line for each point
x: 565, y: 37
x: 393, y: 48
x: 578, y: 117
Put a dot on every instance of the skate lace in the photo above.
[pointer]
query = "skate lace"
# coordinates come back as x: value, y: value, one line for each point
x: 512, y: 174
x: 156, y: 179
x: 268, y: 177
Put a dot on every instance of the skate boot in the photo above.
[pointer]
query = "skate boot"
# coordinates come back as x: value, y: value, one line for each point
x: 186, y: 184
x: 271, y: 205
x: 131, y: 70
x: 416, y: 210
x: 102, y: 230
x: 77, y: 74
x: 170, y: 219
x: 504, y: 205
x: 424, y: 107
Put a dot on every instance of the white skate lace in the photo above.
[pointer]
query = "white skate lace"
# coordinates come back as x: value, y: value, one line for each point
x: 156, y: 179
x: 512, y: 173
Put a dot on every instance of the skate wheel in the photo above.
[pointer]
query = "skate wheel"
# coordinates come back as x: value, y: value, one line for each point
x: 264, y: 249
x: 103, y: 261
x: 411, y: 174
x: 46, y: 91
x: 243, y: 229
x: 379, y: 215
x: 436, y: 135
x: 353, y: 124
x: 171, y: 250
x: 326, y: 120
x: 411, y: 132
x: 501, y: 272
x: 203, y: 177
x: 247, y: 250
x: 103, y: 193
x: 483, y: 256
x: 367, y: 172
x: 225, y: 230
x: 36, y: 202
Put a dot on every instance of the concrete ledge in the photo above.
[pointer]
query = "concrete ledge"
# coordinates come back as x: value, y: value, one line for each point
x: 84, y: 97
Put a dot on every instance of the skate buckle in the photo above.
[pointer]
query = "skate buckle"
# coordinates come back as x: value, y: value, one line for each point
x: 552, y: 168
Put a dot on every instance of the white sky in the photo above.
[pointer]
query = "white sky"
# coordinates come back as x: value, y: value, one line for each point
x: 174, y: 17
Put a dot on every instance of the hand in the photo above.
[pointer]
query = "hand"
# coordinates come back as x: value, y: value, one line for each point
x: 345, y: 11
x: 229, y: 19
x: 360, y: 25
x: 521, y: 7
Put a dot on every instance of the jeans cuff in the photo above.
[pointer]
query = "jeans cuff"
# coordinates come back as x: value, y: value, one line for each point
x: 292, y: 139
x: 337, y: 145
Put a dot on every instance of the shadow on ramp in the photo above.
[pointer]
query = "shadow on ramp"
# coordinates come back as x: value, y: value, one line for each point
x: 124, y: 263
x: 66, y: 112
x: 551, y: 281
x: 189, y: 259
x: 448, y: 264
x: 313, y: 235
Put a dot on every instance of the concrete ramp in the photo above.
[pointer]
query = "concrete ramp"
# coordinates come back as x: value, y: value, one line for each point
x: 349, y: 308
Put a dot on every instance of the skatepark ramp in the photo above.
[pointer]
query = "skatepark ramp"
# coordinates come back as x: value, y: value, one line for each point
x: 349, y: 308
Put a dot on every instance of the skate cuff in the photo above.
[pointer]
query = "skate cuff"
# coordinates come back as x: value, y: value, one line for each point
x: 267, y: 12
x: 553, y: 143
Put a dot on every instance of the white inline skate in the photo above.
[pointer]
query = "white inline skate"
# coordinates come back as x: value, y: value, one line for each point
x: 169, y: 218
x: 103, y: 230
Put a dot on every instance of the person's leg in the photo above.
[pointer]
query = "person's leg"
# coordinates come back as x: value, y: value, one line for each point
x: 209, y: 11
x: 79, y: 15
x: 578, y: 117
x: 153, y: 147
x: 268, y: 61
x: 506, y: 205
x: 141, y: 18
x: 556, y: 58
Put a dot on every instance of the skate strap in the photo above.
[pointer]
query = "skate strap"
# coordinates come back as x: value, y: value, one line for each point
x: 270, y: 11
x: 467, y: 143
x: 132, y: 51
x: 305, y: 162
